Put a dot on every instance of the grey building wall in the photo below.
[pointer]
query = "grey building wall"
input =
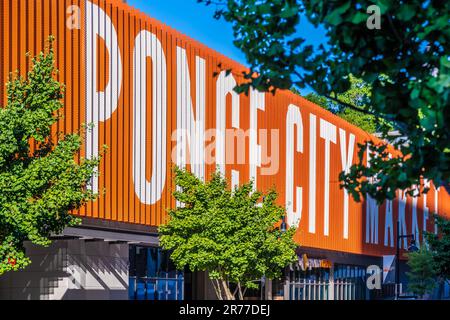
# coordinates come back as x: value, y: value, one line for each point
x: 70, y: 269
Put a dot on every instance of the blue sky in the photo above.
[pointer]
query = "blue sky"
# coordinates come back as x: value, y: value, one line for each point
x: 196, y: 21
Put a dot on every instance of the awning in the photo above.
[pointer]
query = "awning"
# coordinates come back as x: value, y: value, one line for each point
x: 92, y: 234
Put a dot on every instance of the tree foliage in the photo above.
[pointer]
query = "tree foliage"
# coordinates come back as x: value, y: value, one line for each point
x: 422, y: 275
x: 358, y: 95
x: 231, y: 234
x: 439, y: 246
x: 405, y: 63
x: 40, y: 179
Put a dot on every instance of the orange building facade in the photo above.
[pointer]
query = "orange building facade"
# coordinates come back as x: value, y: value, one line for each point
x: 158, y: 98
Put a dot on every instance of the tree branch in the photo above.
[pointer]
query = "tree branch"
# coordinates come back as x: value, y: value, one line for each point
x: 350, y: 106
x: 235, y: 291
x: 245, y: 290
x: 217, y: 289
x: 241, y: 296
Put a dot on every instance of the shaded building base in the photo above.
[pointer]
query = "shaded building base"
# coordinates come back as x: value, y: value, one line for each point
x: 70, y: 269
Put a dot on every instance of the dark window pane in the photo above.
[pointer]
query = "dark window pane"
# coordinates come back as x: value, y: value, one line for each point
x: 141, y: 262
x: 162, y: 264
x: 152, y: 262
x: 132, y: 259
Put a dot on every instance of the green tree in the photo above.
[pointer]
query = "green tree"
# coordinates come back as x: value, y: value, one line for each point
x: 40, y: 180
x: 422, y: 277
x: 359, y: 95
x: 405, y: 62
x: 230, y: 234
x: 315, y: 98
x: 364, y: 121
x: 439, y: 246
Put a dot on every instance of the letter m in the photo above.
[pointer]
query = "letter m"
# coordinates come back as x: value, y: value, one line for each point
x: 371, y: 220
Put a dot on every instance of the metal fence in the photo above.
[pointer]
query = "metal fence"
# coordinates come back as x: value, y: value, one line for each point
x: 309, y: 290
x: 344, y: 290
x: 326, y: 290
x: 150, y: 288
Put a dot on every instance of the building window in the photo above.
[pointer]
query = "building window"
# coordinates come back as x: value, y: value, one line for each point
x: 153, y: 276
x: 350, y: 282
x: 349, y: 272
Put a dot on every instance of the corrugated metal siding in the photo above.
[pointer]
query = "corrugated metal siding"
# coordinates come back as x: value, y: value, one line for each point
x: 26, y: 24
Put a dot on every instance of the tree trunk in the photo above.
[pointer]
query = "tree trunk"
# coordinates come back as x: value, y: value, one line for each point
x: 226, y: 289
x: 235, y: 291
x: 241, y: 295
x: 217, y: 289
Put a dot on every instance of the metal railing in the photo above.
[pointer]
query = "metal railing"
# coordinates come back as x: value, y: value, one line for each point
x: 309, y: 290
x: 325, y: 290
x: 344, y: 290
x: 157, y: 288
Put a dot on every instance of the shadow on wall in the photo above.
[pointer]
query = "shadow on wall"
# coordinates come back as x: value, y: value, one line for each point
x: 70, y: 269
